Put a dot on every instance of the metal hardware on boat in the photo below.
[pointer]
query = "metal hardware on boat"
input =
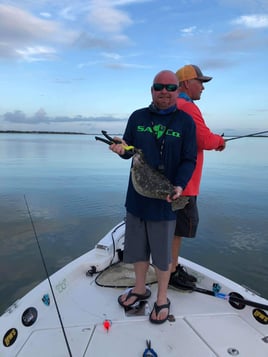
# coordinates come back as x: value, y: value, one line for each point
x: 29, y: 316
x: 104, y: 249
x: 236, y: 301
x: 233, y: 351
x: 171, y: 318
x: 120, y: 254
x: 216, y: 288
x: 141, y: 308
x: 265, y: 339
x: 12, y: 307
x: 91, y: 271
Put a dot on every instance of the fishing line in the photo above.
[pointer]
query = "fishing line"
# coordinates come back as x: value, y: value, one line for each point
x: 47, y: 276
x: 247, y: 136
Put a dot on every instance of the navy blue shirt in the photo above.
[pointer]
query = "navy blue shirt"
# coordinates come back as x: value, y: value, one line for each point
x: 169, y: 141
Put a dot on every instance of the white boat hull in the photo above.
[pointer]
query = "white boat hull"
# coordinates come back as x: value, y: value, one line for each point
x: 204, y: 325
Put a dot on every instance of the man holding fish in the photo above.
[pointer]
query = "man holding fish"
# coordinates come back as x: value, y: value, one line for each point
x: 166, y: 137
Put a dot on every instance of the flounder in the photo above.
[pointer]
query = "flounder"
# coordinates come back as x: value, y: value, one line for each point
x: 151, y: 183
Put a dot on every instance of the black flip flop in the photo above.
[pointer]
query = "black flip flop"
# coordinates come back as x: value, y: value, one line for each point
x: 157, y: 309
x: 139, y: 297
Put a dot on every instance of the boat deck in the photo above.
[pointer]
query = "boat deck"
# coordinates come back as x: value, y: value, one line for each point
x: 203, y: 325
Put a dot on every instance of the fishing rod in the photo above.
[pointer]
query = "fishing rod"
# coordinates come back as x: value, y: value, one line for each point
x: 235, y: 299
x: 246, y: 136
x: 47, y: 276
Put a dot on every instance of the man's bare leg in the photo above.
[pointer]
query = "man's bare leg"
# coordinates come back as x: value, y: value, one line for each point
x: 176, y: 246
x: 162, y: 279
x: 140, y: 269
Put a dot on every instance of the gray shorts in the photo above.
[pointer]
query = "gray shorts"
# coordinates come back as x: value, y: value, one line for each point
x: 187, y: 219
x: 145, y: 238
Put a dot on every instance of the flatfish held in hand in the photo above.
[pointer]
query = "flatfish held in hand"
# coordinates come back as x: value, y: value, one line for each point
x: 151, y: 183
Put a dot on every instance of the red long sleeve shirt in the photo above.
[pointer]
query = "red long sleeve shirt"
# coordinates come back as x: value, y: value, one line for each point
x: 206, y: 140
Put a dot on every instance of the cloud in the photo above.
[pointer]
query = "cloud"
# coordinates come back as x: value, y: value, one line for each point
x: 215, y: 63
x: 96, y: 24
x: 252, y: 21
x: 249, y: 5
x: 105, y: 25
x: 120, y: 65
x: 87, y: 40
x: 68, y: 13
x: 242, y: 40
x: 45, y: 14
x: 188, y: 30
x: 114, y: 56
x: 23, y: 34
x: 116, y: 61
x: 18, y: 26
x: 37, y: 53
x: 107, y: 18
x: 19, y: 117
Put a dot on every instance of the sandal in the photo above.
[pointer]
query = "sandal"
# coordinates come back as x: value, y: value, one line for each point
x: 157, y: 309
x: 138, y: 297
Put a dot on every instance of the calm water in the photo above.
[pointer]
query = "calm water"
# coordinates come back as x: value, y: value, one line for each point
x: 75, y: 188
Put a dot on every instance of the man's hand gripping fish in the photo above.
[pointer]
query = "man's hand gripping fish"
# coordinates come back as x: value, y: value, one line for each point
x: 146, y: 180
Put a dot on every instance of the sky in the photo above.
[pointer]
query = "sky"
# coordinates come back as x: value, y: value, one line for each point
x: 85, y: 66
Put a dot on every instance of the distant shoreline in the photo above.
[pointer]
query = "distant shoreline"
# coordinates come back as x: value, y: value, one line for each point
x: 47, y: 132
x: 80, y: 133
x: 39, y: 132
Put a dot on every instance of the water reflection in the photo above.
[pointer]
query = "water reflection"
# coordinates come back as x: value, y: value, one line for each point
x: 76, y: 188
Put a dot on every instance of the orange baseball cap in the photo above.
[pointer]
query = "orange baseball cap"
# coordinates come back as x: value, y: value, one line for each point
x: 191, y: 71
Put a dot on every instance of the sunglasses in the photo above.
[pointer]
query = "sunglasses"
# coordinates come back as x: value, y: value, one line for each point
x: 169, y: 87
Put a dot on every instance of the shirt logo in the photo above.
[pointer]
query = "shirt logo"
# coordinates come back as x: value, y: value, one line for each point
x: 158, y: 130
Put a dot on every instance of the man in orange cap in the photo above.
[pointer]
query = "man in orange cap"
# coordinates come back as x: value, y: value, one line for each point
x: 191, y: 85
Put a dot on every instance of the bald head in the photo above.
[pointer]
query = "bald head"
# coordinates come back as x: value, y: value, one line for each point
x: 165, y: 89
x: 168, y: 76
